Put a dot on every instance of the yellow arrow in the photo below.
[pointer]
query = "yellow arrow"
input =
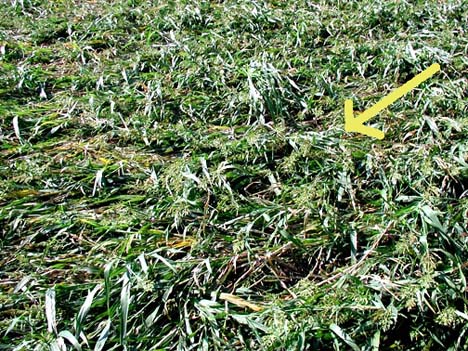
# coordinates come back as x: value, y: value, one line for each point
x: 356, y: 124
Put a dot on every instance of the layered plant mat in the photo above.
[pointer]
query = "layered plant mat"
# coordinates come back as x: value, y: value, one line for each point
x: 175, y: 175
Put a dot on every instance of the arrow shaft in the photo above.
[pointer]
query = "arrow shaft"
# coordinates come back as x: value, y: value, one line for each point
x: 398, y: 93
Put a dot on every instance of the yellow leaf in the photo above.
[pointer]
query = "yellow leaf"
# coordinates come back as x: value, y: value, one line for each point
x: 178, y: 244
x: 238, y: 301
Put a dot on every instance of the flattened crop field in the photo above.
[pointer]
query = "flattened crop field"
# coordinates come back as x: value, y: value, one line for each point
x: 176, y: 175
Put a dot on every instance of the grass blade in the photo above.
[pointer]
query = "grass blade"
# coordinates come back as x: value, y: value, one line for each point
x: 50, y: 311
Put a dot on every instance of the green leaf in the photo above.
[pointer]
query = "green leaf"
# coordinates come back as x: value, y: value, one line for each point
x: 124, y: 306
x: 71, y: 339
x: 103, y: 337
x: 343, y: 336
x: 50, y: 311
x: 431, y: 218
x: 85, y: 309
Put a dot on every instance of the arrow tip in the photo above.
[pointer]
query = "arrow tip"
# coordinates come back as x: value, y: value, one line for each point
x: 354, y: 124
